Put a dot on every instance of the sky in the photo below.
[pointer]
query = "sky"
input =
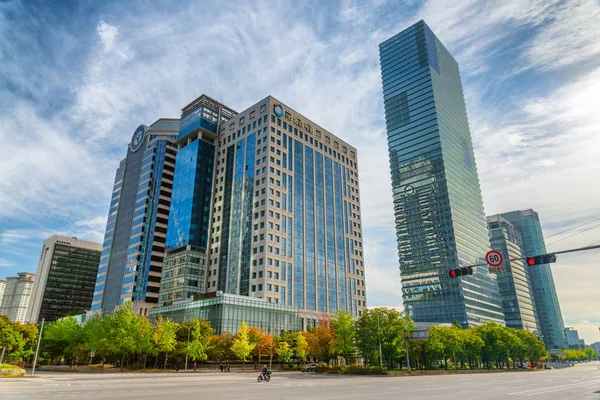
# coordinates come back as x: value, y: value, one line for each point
x: 77, y: 78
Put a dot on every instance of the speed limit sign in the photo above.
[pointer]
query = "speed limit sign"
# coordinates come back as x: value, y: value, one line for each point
x: 494, y: 258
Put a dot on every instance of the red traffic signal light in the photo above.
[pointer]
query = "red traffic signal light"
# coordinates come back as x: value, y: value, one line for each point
x: 530, y: 261
x: 543, y: 259
x: 453, y: 273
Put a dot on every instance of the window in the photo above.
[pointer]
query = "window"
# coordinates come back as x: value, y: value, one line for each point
x: 252, y: 114
x: 242, y: 121
x: 263, y: 108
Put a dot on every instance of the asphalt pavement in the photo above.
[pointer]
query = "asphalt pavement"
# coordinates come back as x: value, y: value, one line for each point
x: 579, y: 382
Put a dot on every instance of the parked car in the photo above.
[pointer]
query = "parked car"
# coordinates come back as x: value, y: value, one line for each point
x: 309, y: 367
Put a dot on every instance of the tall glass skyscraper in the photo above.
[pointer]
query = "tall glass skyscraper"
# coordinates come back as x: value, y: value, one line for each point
x: 440, y: 222
x: 134, y: 244
x: 549, y: 314
x: 515, y: 288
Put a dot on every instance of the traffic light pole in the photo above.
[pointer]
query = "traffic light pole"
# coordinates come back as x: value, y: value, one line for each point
x: 579, y: 249
x: 554, y: 252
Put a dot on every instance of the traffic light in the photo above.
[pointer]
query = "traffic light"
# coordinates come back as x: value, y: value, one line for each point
x: 453, y: 273
x: 543, y: 259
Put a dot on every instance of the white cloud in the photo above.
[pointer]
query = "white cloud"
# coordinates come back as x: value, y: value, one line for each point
x: 6, y: 263
x: 569, y: 37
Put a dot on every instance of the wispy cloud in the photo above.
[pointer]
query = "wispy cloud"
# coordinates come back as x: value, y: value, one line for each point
x: 6, y: 263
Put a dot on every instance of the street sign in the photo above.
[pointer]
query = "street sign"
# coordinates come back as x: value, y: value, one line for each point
x: 494, y: 258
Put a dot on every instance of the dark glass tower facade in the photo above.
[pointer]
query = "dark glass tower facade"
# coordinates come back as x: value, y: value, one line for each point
x: 440, y: 222
x: 527, y: 222
x: 134, y: 243
x: 65, y: 279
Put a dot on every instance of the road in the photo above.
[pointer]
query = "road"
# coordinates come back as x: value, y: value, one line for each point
x: 579, y: 382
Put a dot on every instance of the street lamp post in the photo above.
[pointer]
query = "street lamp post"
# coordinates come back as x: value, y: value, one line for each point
x: 37, y: 348
x: 406, y: 351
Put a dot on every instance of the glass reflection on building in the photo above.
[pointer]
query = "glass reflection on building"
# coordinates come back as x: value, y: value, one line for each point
x: 440, y: 223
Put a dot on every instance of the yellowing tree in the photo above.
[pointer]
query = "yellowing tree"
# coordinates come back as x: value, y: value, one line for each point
x: 241, y: 343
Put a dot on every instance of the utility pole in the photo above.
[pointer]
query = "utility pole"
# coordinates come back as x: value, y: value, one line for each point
x: 38, y: 348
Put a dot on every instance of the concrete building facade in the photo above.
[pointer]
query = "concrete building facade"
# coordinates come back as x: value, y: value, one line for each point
x: 17, y: 295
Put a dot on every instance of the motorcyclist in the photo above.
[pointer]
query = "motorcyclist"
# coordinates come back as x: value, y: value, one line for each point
x: 264, y: 371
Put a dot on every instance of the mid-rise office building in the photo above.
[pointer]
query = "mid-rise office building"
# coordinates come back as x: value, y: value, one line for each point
x: 517, y: 296
x: 596, y: 347
x: 440, y: 221
x: 2, y: 289
x: 527, y: 222
x: 572, y: 337
x: 65, y: 277
x: 17, y: 295
x: 134, y: 244
x: 285, y: 222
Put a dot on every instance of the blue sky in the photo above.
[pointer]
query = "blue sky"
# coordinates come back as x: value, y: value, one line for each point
x: 77, y: 78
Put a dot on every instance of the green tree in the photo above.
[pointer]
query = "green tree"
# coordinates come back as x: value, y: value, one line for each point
x: 367, y: 338
x: 61, y: 338
x: 124, y: 332
x: 472, y: 344
x: 201, y: 334
x: 590, y: 353
x: 16, y: 339
x: 345, y: 334
x: 145, y: 340
x: 97, y: 335
x: 165, y: 336
x: 241, y: 344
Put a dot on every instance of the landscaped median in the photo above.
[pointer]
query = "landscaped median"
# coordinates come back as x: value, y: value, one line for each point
x: 350, y: 370
x: 11, y: 370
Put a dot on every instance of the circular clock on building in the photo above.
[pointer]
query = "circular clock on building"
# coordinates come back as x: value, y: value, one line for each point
x: 138, y: 138
x: 278, y: 110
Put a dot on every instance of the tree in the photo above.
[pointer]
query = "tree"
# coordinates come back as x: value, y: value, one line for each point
x: 367, y: 338
x: 201, y: 334
x: 590, y: 353
x: 124, y: 331
x: 321, y: 340
x: 96, y: 333
x: 300, y: 345
x: 61, y: 337
x: 345, y: 334
x: 220, y: 347
x: 241, y: 344
x: 284, y: 351
x: 145, y: 341
x: 16, y: 338
x: 165, y: 336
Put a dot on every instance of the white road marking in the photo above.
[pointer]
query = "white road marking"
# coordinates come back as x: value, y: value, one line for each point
x: 554, y: 389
